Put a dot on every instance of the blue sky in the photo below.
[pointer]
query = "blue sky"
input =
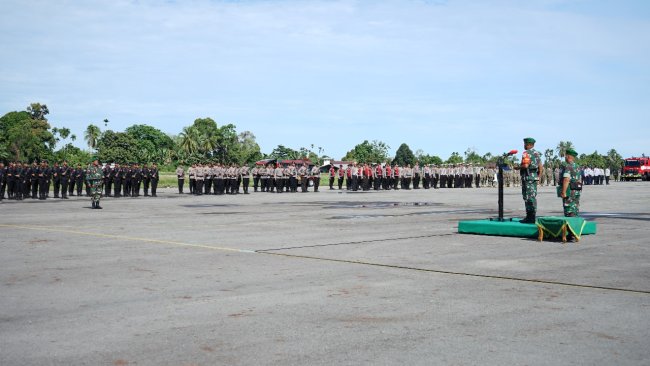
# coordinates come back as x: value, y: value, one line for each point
x: 442, y: 76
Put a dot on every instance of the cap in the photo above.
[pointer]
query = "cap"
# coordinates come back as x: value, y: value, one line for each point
x: 571, y: 152
x: 529, y: 140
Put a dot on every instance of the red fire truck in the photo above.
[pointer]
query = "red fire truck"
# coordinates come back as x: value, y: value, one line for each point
x: 636, y: 168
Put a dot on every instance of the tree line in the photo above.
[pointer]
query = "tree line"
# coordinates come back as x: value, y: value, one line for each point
x: 27, y: 136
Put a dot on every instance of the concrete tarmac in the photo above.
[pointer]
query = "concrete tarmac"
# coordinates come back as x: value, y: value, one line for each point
x: 327, y: 278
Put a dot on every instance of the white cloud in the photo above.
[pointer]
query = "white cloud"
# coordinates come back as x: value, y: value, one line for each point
x: 455, y: 67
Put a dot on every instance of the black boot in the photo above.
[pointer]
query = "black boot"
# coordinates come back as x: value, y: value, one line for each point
x: 529, y: 219
x: 93, y: 204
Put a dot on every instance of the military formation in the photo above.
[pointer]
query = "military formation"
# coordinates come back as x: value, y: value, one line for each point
x: 395, y: 177
x: 19, y: 181
x: 130, y: 179
x: 221, y: 179
x: 23, y: 181
x: 36, y: 181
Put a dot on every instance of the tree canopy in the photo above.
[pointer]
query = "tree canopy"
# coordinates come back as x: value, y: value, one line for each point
x: 27, y: 136
x: 118, y: 147
x: 368, y: 152
x: 404, y: 155
x: 454, y: 158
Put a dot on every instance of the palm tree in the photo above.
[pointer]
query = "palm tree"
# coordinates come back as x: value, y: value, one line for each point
x: 562, y: 147
x: 92, y: 135
x: 189, y: 140
x: 614, y: 159
x: 548, y: 154
x: 208, y: 143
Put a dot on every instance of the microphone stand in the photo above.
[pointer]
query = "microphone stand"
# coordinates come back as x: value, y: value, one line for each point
x: 501, y: 162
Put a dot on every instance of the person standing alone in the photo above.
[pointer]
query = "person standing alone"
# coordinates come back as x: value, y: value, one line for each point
x: 531, y: 170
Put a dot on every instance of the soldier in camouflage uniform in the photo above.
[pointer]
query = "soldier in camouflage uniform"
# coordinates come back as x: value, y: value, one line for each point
x: 531, y: 170
x: 571, y: 186
x: 95, y: 178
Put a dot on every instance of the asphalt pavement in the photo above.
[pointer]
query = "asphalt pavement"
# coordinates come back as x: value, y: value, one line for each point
x: 327, y: 278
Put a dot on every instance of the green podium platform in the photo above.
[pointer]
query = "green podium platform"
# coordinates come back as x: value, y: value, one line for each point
x: 510, y: 227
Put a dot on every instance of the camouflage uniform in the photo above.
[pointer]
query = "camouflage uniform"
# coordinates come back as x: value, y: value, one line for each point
x: 530, y: 169
x: 572, y: 201
x: 94, y: 178
x: 529, y: 178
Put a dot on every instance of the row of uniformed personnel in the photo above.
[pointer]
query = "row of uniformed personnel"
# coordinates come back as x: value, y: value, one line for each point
x: 377, y: 176
x: 22, y: 180
x: 223, y: 179
x: 126, y: 180
x: 34, y: 181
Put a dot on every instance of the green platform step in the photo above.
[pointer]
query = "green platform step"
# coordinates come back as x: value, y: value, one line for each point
x: 510, y: 227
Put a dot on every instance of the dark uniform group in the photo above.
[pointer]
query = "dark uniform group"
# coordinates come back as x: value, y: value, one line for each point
x: 127, y: 180
x: 23, y: 181
x: 20, y: 181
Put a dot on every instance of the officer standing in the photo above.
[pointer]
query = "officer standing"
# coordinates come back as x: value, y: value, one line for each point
x: 264, y: 179
x: 207, y: 179
x: 146, y: 180
x: 34, y: 171
x: 199, y: 175
x: 65, y: 179
x: 570, y: 184
x: 292, y: 172
x: 219, y: 173
x: 191, y: 171
x: 388, y: 176
x: 531, y: 169
x: 136, y: 179
x: 366, y: 174
x: 95, y: 177
x: 315, y: 176
x: 71, y: 180
x: 246, y: 178
x: 37, y: 173
x: 393, y: 176
x: 230, y: 178
x: 180, y: 175
x: 18, y: 188
x: 408, y: 175
x: 355, y: 177
x: 117, y: 180
x: 378, y: 177
x: 78, y: 179
x: 278, y: 176
x: 304, y: 182
x: 348, y: 177
x: 416, y: 176
x: 154, y: 176
x: 108, y: 180
x: 3, y: 180
x: 127, y: 180
x: 255, y: 172
x: 11, y: 180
